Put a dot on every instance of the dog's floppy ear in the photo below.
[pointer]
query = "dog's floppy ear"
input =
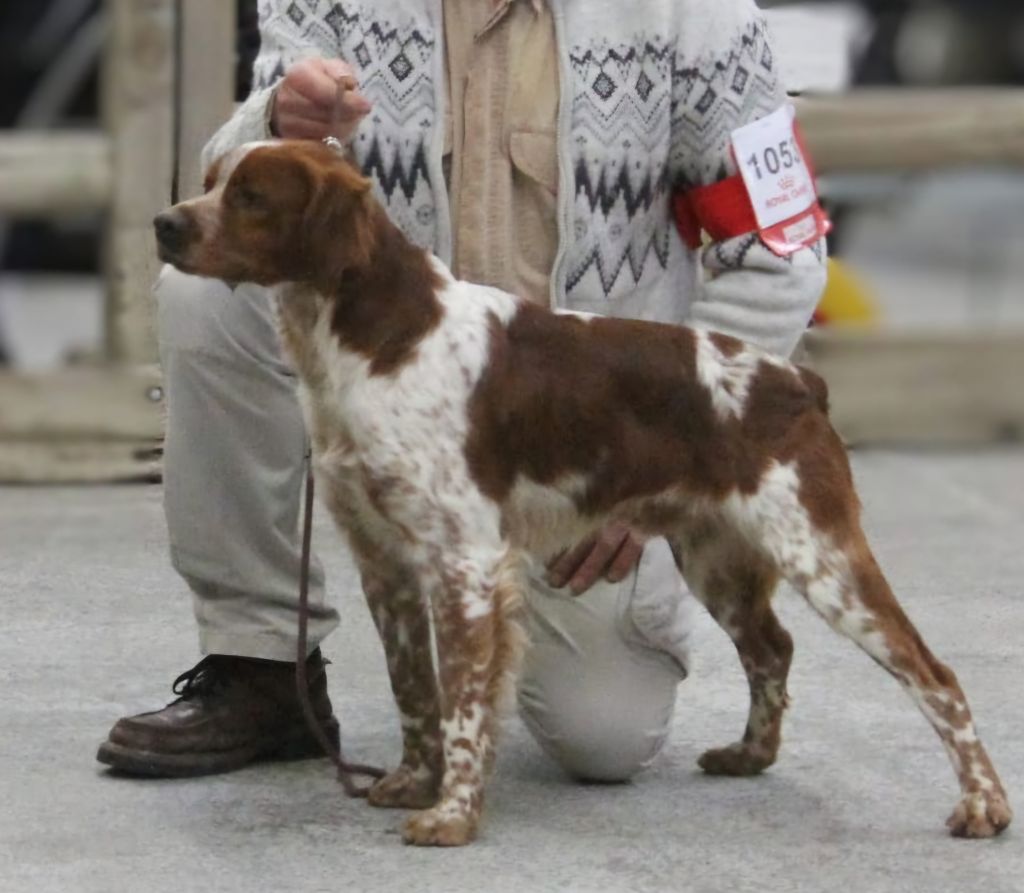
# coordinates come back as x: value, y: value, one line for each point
x: 339, y: 223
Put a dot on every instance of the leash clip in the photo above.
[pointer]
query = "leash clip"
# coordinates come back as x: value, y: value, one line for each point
x: 332, y: 142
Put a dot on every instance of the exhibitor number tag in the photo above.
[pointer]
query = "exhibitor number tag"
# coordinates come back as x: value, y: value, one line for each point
x: 779, y: 182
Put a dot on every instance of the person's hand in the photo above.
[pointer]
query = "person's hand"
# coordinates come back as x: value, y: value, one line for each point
x: 611, y: 554
x: 304, y: 103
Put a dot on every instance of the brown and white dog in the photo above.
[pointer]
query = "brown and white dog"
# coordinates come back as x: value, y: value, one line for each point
x: 456, y: 427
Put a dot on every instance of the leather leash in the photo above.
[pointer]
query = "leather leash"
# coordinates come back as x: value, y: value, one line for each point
x: 345, y: 769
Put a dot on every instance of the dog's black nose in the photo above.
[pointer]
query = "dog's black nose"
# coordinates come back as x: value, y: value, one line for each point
x: 171, y: 228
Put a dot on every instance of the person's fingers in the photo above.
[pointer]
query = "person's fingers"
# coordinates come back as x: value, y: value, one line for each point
x: 303, y: 129
x: 339, y: 70
x: 334, y: 68
x: 625, y: 559
x: 294, y: 117
x: 346, y: 89
x: 316, y: 92
x: 352, y: 106
x: 346, y: 82
x: 606, y: 547
x: 292, y: 105
x: 316, y: 81
x: 313, y: 81
x: 562, y: 567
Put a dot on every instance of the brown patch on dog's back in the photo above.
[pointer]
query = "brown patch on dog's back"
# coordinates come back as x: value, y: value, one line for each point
x: 631, y: 416
x: 631, y: 401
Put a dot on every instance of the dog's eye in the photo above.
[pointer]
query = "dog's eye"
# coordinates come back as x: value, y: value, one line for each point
x: 249, y: 198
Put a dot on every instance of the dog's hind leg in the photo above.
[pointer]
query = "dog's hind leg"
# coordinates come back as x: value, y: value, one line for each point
x: 736, y: 585
x: 478, y: 646
x: 857, y: 601
x: 830, y: 563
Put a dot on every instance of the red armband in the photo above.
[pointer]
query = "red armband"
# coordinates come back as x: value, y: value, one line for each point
x: 774, y: 193
x: 722, y: 210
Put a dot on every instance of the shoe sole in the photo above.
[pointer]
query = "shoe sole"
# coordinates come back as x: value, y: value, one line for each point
x: 297, y: 743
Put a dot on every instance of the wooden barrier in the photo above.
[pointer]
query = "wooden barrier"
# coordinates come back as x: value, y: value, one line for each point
x: 889, y: 129
x: 82, y: 424
x: 168, y: 82
x: 47, y: 173
x: 139, y: 106
x: 936, y: 388
x: 168, y: 85
x: 206, y: 82
x: 919, y: 387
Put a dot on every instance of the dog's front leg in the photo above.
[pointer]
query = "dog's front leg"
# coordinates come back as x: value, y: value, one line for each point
x: 478, y: 646
x: 400, y: 613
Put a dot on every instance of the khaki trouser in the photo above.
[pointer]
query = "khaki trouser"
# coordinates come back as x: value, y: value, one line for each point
x: 599, y: 679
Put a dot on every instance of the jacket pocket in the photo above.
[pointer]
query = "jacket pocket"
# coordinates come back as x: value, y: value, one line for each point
x: 534, y: 217
x: 535, y: 154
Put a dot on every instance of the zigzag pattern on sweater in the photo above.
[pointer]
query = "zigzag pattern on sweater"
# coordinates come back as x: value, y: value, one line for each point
x: 620, y: 191
x: 637, y: 194
x: 395, y: 174
x: 635, y: 104
x: 650, y: 112
x: 394, y: 63
x: 713, y: 96
x: 620, y: 123
x: 609, y: 266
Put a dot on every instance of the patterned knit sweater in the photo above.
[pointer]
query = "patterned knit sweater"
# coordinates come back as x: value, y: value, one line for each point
x: 650, y: 93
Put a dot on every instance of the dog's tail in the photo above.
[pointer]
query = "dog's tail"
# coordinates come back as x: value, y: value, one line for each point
x: 510, y: 637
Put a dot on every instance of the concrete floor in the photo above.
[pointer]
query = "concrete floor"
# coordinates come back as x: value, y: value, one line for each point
x: 96, y: 625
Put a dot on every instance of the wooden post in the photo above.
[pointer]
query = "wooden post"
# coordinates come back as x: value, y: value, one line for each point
x: 909, y: 129
x: 206, y: 82
x: 918, y: 387
x: 168, y: 84
x: 81, y: 424
x: 106, y: 423
x: 47, y: 172
x: 139, y: 112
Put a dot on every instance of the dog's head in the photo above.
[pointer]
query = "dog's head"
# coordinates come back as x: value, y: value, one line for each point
x: 289, y: 211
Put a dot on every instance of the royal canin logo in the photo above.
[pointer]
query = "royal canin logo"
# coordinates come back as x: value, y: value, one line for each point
x: 787, y: 183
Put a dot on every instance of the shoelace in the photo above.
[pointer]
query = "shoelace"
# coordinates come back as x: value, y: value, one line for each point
x: 203, y: 679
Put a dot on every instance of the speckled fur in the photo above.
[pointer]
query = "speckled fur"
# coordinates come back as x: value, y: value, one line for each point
x: 456, y: 428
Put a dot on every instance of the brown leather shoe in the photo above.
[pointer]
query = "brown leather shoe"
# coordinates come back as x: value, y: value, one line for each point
x: 232, y: 711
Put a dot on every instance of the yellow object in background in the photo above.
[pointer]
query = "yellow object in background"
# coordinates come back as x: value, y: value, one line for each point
x: 847, y: 299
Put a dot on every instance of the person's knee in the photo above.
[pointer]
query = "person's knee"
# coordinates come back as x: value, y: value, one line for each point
x: 205, y: 321
x: 188, y: 310
x: 606, y: 743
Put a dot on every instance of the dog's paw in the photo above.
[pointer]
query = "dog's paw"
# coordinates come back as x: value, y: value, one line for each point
x: 440, y: 826
x: 736, y: 759
x: 404, y: 788
x: 982, y: 814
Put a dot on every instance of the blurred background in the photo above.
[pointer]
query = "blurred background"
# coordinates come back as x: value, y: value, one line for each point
x: 914, y: 111
x: 51, y: 55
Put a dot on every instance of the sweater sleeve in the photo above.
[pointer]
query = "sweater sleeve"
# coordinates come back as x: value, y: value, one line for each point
x: 287, y: 34
x: 726, y: 76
